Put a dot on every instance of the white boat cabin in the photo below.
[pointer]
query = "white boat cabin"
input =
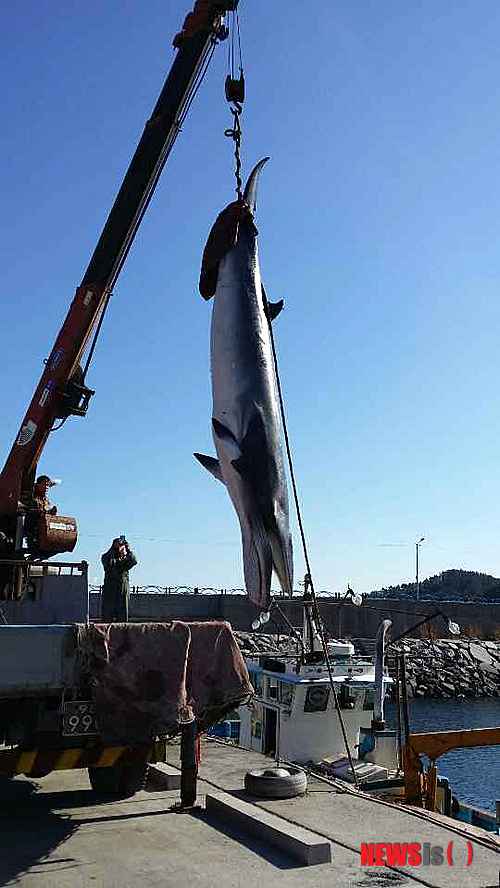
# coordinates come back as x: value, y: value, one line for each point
x: 293, y: 715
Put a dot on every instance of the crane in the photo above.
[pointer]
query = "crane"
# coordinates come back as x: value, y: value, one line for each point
x: 62, y: 390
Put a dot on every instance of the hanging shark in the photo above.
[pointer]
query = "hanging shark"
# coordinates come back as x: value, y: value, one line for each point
x: 246, y: 419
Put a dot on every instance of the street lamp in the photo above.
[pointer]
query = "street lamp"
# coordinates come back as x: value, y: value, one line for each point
x: 417, y: 545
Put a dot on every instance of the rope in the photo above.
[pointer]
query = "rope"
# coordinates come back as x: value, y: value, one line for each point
x: 304, y: 545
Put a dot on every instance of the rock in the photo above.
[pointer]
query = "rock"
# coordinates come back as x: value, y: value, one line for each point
x: 479, y: 653
x: 489, y: 667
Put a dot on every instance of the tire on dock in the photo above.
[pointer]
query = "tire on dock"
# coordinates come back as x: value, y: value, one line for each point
x: 284, y: 782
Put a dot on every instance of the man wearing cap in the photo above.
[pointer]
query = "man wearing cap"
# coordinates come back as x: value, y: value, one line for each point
x: 36, y: 505
x: 40, y: 501
x: 117, y: 562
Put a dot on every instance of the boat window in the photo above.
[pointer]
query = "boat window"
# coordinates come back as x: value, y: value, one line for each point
x: 369, y: 700
x: 256, y: 679
x: 256, y: 722
x: 272, y: 688
x: 286, y: 693
x: 317, y: 699
x: 347, y: 699
x: 273, y: 665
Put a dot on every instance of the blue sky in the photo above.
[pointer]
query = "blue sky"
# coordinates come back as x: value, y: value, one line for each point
x: 378, y: 219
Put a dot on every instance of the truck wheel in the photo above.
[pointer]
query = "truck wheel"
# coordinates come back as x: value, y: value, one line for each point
x: 121, y: 780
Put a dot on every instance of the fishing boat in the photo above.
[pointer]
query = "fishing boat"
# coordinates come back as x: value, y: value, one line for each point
x: 322, y: 709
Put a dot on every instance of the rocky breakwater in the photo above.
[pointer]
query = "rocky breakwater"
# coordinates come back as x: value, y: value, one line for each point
x: 450, y: 668
x: 253, y: 643
x: 443, y: 668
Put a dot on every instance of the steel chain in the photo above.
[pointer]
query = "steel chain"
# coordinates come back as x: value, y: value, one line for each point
x: 235, y: 135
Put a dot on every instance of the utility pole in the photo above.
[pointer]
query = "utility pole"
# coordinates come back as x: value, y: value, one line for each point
x: 417, y: 546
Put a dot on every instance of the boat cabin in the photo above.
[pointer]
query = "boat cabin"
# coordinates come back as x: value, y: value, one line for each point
x: 293, y: 715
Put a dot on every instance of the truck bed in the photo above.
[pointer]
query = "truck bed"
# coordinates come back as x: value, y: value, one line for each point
x: 37, y: 660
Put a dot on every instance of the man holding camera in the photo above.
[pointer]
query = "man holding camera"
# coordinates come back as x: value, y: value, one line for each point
x: 117, y: 562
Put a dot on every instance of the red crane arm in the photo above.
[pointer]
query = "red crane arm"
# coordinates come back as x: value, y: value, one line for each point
x: 61, y: 390
x: 48, y: 400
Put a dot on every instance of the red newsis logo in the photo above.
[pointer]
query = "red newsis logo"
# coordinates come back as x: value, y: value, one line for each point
x: 413, y: 854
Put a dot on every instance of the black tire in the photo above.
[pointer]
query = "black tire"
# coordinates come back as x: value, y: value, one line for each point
x: 120, y: 780
x: 273, y: 783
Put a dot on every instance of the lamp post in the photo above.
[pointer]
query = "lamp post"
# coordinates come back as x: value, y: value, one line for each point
x: 417, y: 546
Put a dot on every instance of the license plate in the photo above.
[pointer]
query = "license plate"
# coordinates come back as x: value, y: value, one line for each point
x: 78, y: 719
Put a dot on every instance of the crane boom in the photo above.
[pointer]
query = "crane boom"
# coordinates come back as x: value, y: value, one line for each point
x: 61, y: 390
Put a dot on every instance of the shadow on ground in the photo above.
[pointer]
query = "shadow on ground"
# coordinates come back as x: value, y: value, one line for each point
x: 22, y: 811
x: 257, y: 846
x: 34, y: 822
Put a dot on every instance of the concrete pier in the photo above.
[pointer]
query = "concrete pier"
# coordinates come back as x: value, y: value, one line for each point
x: 55, y: 833
x: 348, y: 819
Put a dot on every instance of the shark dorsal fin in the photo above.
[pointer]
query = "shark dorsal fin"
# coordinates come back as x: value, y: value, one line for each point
x: 274, y: 308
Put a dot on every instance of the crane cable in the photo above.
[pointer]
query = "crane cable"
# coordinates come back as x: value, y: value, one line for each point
x: 235, y: 94
x: 305, y: 549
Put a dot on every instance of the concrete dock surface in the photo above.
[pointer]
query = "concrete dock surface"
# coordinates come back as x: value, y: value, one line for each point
x: 348, y: 819
x: 56, y: 832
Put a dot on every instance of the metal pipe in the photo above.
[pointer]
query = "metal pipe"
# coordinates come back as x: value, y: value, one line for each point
x: 189, y: 764
x: 378, y: 722
x: 85, y: 573
x: 398, y: 718
x: 417, y: 578
x: 404, y: 698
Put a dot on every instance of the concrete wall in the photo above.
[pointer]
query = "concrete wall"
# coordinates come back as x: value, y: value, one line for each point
x: 340, y: 619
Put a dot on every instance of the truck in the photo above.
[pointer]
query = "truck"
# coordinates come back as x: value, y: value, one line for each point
x: 47, y: 713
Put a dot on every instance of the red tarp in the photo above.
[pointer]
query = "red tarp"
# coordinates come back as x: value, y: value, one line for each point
x: 146, y: 678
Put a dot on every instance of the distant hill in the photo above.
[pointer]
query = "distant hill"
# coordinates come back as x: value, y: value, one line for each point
x: 451, y: 585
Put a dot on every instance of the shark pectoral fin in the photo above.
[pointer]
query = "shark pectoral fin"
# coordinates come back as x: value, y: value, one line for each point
x: 211, y: 464
x: 274, y: 308
x: 230, y: 443
x: 239, y: 465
